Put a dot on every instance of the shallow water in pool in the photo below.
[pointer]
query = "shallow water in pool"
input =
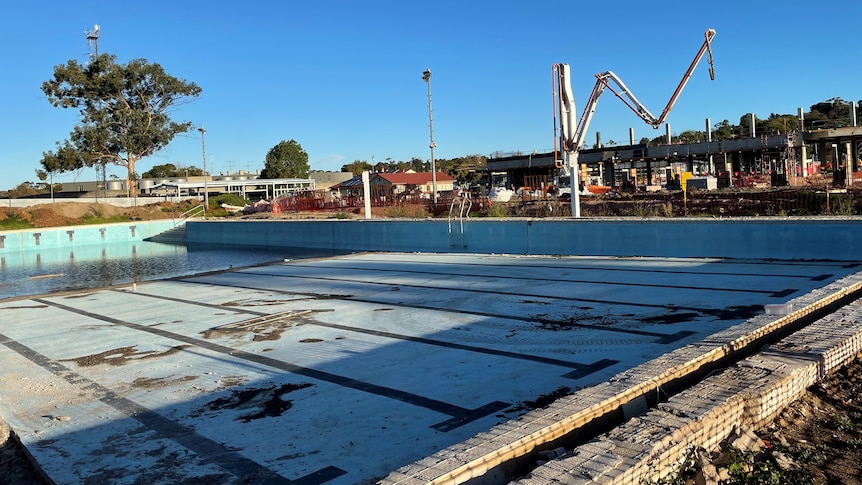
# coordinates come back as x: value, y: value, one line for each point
x: 28, y: 273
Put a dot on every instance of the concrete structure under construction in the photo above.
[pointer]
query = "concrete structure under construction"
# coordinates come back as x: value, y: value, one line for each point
x: 780, y: 159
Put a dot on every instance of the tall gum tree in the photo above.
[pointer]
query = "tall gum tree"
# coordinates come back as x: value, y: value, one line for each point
x: 124, y: 112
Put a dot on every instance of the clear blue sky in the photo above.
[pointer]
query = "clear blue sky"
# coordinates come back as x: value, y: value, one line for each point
x: 343, y: 78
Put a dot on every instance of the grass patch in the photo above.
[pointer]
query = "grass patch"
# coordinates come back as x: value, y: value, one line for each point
x: 100, y: 219
x: 15, y: 221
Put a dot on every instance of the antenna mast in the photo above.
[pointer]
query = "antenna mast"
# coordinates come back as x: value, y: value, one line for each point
x: 93, y: 45
x: 93, y: 42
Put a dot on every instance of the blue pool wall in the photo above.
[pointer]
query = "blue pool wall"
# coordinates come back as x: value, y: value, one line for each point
x: 758, y: 238
x: 70, y: 237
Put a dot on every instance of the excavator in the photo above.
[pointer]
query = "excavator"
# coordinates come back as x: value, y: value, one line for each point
x: 571, y: 138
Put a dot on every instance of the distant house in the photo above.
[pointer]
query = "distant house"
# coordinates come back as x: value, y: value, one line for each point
x: 325, y: 180
x: 400, y: 185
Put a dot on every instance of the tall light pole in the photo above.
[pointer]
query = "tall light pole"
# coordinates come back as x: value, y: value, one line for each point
x: 204, y: 151
x: 426, y: 76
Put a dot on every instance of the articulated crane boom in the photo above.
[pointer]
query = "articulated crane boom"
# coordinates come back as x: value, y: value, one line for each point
x: 572, y: 136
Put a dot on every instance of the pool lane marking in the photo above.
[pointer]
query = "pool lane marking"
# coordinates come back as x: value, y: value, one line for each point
x: 722, y: 261
x: 209, y: 451
x: 581, y: 370
x: 771, y: 293
x: 542, y: 267
x: 460, y: 414
x: 662, y: 337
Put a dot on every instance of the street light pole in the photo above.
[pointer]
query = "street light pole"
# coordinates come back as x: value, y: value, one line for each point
x: 426, y: 76
x: 204, y: 151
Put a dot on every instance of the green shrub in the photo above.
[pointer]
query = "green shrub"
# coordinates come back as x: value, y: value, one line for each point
x: 229, y: 199
x: 407, y: 211
x: 842, y: 205
x: 498, y: 210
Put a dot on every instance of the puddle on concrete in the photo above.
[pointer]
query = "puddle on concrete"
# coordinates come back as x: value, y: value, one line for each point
x: 262, y: 402
x: 122, y: 356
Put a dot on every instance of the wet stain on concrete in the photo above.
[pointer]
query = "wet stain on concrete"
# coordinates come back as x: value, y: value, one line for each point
x: 159, y: 382
x: 262, y: 402
x: 670, y: 318
x: 262, y: 332
x: 264, y: 328
x: 253, y: 303
x: 122, y: 356
x: 740, y: 312
x: 230, y: 381
x: 574, y: 321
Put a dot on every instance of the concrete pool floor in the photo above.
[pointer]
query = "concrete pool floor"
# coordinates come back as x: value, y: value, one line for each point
x: 341, y: 370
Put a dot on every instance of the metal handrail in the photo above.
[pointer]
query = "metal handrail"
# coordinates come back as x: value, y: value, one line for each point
x: 465, y: 201
x: 193, y: 212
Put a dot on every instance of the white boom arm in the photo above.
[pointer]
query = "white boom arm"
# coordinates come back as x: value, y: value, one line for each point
x: 572, y: 136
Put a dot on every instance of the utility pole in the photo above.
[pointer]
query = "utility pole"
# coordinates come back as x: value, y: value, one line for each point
x: 206, y: 176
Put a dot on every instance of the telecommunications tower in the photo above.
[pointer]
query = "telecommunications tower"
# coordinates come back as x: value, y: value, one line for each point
x: 93, y: 45
x: 93, y: 42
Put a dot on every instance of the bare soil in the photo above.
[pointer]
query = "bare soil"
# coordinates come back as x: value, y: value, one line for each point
x: 73, y: 213
x: 821, y: 433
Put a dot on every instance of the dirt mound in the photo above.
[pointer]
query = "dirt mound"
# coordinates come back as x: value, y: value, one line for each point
x: 73, y: 213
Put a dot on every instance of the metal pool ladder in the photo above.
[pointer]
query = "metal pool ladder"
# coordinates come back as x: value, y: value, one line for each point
x: 465, y: 204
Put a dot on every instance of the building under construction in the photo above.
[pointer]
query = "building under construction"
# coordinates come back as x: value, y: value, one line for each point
x: 797, y: 158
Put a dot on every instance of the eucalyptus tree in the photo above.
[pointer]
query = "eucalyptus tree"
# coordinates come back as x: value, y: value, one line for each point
x: 124, y: 112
